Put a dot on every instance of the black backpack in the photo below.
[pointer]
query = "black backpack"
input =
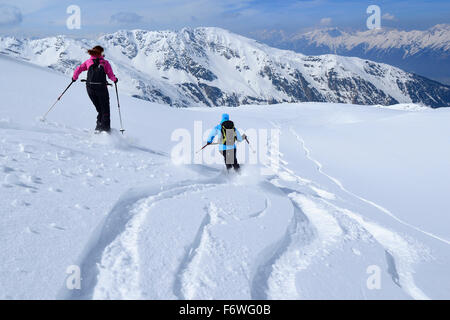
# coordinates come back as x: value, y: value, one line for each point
x: 228, y: 133
x: 96, y: 73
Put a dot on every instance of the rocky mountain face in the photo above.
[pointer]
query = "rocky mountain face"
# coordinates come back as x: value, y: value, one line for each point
x: 213, y: 67
x: 424, y: 52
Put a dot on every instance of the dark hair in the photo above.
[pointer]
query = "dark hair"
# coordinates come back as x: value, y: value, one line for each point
x: 96, y: 51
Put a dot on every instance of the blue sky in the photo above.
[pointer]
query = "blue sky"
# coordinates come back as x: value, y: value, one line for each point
x: 48, y: 17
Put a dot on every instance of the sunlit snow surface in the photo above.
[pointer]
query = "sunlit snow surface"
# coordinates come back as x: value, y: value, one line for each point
x: 356, y: 186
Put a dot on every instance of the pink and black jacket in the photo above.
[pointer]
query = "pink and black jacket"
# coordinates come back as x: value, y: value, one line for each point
x: 90, y: 62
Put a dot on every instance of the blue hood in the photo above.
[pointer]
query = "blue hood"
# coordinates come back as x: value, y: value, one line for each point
x: 225, y: 117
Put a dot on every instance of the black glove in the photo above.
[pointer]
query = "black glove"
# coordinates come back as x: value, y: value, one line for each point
x: 73, y: 80
x: 116, y: 80
x: 207, y: 142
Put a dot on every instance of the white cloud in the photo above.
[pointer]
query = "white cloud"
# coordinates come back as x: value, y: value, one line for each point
x: 388, y: 16
x: 325, y: 21
x: 9, y: 15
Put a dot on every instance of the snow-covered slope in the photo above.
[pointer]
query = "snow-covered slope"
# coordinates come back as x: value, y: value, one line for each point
x: 425, y: 52
x: 358, y: 189
x: 213, y: 67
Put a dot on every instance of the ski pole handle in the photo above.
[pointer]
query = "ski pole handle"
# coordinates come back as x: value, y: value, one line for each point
x: 245, y: 138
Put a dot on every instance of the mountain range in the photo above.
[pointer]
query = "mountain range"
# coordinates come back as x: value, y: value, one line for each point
x: 214, y: 67
x: 425, y: 52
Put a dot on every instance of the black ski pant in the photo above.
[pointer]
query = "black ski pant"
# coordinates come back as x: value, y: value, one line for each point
x: 230, y: 159
x: 100, y: 98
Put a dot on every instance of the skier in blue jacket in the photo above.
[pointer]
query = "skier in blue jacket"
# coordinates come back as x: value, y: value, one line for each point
x: 228, y: 135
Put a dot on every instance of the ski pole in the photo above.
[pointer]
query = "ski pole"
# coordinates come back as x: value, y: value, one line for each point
x: 249, y: 145
x: 206, y: 146
x: 118, y: 106
x: 45, y: 115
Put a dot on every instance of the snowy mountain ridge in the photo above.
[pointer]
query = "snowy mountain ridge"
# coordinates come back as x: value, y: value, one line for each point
x: 214, y: 67
x: 425, y: 52
x: 436, y: 38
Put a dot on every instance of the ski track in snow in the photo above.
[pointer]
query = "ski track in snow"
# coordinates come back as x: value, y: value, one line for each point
x: 117, y: 272
x: 190, y: 276
x: 276, y: 275
x: 281, y: 284
x: 321, y: 221
x: 111, y: 268
x: 404, y: 253
x: 341, y: 186
x: 261, y: 213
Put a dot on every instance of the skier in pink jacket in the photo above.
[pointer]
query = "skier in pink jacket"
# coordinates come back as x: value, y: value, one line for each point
x: 96, y: 85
